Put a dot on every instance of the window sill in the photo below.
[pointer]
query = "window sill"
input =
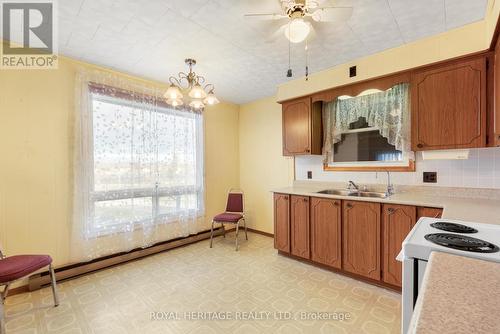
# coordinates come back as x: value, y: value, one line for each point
x: 395, y: 168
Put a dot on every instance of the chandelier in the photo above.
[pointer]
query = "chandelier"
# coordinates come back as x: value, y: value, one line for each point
x: 194, y: 86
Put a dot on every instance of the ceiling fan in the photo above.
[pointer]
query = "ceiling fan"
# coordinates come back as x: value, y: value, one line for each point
x: 300, y: 12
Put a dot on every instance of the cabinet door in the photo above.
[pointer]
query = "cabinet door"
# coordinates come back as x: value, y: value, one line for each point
x: 361, y: 238
x: 282, y: 222
x: 429, y: 212
x: 398, y: 221
x: 495, y: 119
x: 449, y: 106
x: 326, y: 231
x: 297, y: 127
x: 299, y: 222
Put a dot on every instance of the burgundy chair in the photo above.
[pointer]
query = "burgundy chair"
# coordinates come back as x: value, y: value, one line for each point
x: 18, y: 266
x: 234, y: 214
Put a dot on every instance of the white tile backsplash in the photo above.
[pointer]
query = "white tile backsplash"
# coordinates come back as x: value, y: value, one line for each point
x: 481, y: 170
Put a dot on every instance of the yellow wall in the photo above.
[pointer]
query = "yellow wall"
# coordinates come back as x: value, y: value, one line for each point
x: 36, y: 108
x: 262, y: 166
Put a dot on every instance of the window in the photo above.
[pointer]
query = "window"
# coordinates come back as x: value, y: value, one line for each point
x: 362, y: 143
x: 147, y: 164
x: 368, y: 132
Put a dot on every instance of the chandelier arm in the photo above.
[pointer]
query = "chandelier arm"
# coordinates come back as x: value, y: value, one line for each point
x: 174, y: 81
x: 200, y: 80
x: 183, y: 80
x: 209, y: 88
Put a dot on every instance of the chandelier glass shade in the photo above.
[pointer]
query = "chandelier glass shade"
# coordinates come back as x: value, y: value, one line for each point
x: 192, y: 85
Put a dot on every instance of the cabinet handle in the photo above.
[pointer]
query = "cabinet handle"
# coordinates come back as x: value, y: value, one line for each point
x: 349, y: 205
x: 391, y: 211
x: 308, y: 150
x: 305, y: 199
x: 336, y: 203
x: 420, y: 145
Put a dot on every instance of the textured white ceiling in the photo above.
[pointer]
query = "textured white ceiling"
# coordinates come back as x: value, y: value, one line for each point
x: 151, y: 38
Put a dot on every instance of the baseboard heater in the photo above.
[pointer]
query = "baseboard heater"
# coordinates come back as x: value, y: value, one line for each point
x: 39, y: 280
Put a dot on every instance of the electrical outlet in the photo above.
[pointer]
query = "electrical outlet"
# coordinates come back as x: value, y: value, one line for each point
x: 430, y: 177
x: 309, y: 174
x: 352, y: 71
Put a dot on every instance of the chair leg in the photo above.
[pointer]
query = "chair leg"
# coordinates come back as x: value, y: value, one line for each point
x: 2, y: 318
x: 245, y: 224
x: 54, y: 289
x: 223, y: 230
x: 211, y: 234
x: 5, y: 292
x: 237, y: 225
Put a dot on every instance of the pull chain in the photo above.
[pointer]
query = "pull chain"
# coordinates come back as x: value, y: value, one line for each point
x: 289, y: 72
x: 307, y: 61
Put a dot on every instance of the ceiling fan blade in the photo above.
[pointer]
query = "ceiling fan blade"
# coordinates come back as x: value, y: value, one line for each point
x: 272, y: 16
x: 332, y: 14
x: 278, y: 34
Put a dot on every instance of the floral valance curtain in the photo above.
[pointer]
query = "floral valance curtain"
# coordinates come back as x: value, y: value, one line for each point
x: 387, y: 111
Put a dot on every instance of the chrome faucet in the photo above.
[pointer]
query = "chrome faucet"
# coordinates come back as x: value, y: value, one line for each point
x: 390, y: 186
x: 352, y: 185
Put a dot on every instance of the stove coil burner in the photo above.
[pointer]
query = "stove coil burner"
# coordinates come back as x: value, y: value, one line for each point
x: 453, y: 227
x: 462, y: 242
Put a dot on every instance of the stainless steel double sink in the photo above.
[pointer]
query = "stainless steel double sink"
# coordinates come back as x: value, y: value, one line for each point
x: 353, y: 193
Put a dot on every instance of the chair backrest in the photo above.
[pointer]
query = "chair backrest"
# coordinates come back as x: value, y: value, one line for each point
x: 234, y: 201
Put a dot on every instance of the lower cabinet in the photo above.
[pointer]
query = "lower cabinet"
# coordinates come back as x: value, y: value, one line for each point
x: 398, y: 220
x: 282, y: 222
x: 299, y: 224
x: 429, y: 212
x: 361, y: 238
x: 358, y: 237
x: 326, y: 241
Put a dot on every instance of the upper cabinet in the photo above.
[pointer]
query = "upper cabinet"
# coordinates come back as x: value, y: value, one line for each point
x: 302, y: 127
x: 449, y: 106
x: 495, y: 93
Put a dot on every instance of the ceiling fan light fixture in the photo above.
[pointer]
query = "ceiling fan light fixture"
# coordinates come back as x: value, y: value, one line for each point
x: 297, y: 30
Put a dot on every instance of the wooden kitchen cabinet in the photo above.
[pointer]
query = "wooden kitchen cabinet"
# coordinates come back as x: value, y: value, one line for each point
x: 429, y: 212
x: 449, y: 105
x: 282, y: 222
x: 494, y: 96
x: 302, y: 127
x: 361, y: 238
x: 326, y: 235
x: 299, y: 226
x: 397, y: 222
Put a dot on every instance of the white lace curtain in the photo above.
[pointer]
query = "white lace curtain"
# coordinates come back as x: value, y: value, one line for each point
x: 138, y: 167
x: 387, y: 111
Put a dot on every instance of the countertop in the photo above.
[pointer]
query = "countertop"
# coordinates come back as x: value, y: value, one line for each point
x: 478, y: 210
x: 458, y: 295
